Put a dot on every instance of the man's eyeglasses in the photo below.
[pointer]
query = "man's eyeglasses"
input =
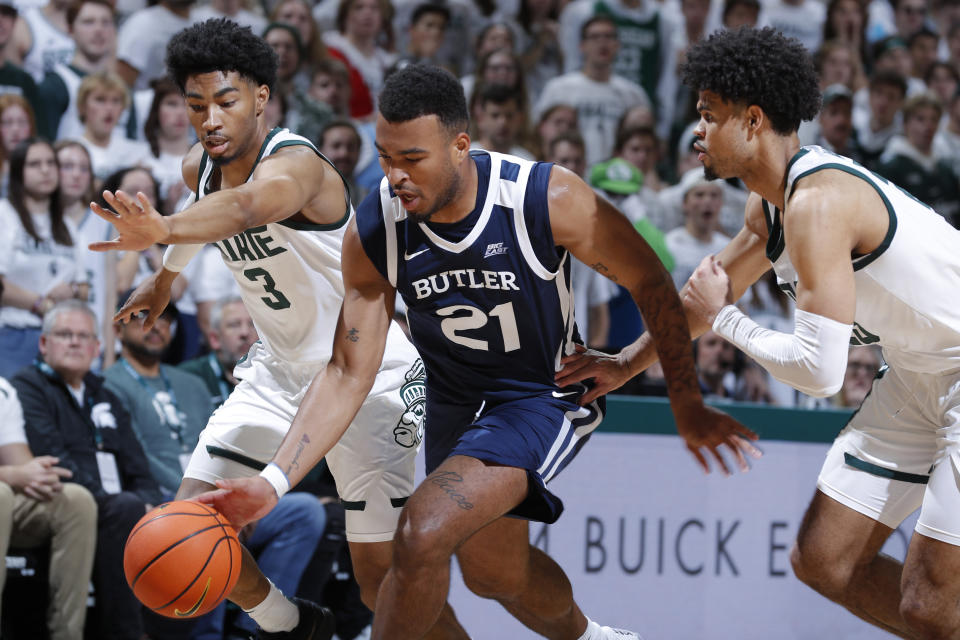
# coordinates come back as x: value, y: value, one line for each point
x: 65, y: 335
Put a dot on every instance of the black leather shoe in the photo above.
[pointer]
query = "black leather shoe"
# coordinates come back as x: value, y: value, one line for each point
x: 316, y: 623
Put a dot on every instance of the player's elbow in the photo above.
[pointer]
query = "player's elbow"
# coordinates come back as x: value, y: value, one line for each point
x: 824, y: 389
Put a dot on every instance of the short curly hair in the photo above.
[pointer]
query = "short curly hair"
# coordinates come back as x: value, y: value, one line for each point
x: 757, y: 66
x: 219, y: 44
x: 423, y: 90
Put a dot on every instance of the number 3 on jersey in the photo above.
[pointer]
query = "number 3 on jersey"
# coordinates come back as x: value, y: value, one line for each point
x: 277, y: 300
x: 453, y: 327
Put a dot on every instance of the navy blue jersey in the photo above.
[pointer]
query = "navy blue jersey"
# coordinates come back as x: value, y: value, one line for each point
x: 489, y: 299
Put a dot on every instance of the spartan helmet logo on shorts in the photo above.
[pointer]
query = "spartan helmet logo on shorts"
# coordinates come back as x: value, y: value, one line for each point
x: 409, y: 431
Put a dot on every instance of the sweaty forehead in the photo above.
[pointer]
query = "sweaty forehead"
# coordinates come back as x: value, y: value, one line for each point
x: 424, y: 133
x: 201, y: 85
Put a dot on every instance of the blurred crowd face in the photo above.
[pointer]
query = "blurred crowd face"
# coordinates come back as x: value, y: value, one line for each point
x: 920, y: 127
x: 847, y: 19
x: 41, y: 175
x: 863, y: 363
x: 498, y: 123
x: 600, y: 44
x: 223, y: 109
x: 923, y: 53
x: 14, y: 127
x: 426, y: 34
x: 569, y: 156
x: 297, y: 15
x: 559, y: 120
x: 235, y: 334
x: 95, y: 31
x: 837, y: 67
x: 75, y: 173
x: 150, y: 344
x: 139, y: 181
x: 715, y: 356
x: 695, y: 14
x: 641, y: 152
x: 102, y: 111
x: 331, y: 90
x: 496, y: 37
x: 364, y: 19
x: 71, y: 345
x: 943, y: 83
x: 341, y: 146
x: 909, y: 16
x: 885, y: 102
x: 288, y: 55
x: 174, y: 122
x: 836, y: 123
x: 501, y: 69
x: 701, y: 206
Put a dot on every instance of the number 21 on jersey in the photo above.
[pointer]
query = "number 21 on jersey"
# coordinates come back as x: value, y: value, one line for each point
x: 461, y: 318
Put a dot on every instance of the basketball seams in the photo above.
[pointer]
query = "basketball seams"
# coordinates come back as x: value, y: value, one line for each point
x: 222, y: 569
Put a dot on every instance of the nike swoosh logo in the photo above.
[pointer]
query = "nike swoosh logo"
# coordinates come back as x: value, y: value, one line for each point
x: 559, y: 394
x: 196, y: 607
x: 411, y: 256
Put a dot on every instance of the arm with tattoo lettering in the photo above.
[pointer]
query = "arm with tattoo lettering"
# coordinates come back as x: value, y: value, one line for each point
x: 602, y: 237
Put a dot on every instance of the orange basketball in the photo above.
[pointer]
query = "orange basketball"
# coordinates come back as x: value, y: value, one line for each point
x: 182, y: 559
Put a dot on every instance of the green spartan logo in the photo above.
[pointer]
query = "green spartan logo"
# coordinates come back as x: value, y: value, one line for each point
x: 409, y: 431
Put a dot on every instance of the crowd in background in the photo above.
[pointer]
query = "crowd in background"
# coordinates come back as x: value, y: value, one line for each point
x: 591, y: 85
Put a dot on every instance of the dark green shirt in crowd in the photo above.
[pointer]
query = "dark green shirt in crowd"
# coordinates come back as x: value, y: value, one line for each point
x: 167, y: 419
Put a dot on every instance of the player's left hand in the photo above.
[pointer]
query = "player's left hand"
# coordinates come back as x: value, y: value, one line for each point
x: 708, y: 290
x: 137, y: 222
x: 607, y: 371
x: 241, y: 500
x: 704, y: 427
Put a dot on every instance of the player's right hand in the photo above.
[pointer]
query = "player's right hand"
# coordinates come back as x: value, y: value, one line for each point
x: 139, y: 225
x: 151, y: 296
x: 607, y: 371
x: 241, y: 500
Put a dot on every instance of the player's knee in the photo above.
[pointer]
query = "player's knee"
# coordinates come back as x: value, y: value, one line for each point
x: 926, y: 612
x: 420, y: 543
x: 826, y: 576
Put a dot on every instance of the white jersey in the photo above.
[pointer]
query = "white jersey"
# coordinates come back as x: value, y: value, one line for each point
x: 50, y: 45
x: 906, y: 289
x: 289, y: 272
x: 35, y: 266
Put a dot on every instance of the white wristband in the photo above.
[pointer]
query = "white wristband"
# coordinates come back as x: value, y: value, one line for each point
x: 178, y: 256
x: 277, y: 478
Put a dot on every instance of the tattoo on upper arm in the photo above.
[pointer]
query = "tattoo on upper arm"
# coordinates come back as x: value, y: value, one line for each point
x: 602, y: 269
x: 447, y: 480
x: 295, y: 463
x: 353, y: 335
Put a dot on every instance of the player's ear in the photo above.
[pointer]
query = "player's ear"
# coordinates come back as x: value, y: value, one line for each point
x: 461, y: 144
x: 263, y: 96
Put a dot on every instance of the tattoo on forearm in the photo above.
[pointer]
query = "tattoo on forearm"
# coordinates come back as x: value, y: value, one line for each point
x: 353, y: 335
x: 295, y: 463
x: 602, y: 269
x: 665, y: 318
x: 447, y: 480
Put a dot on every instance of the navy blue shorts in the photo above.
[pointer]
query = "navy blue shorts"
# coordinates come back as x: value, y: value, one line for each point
x: 541, y: 434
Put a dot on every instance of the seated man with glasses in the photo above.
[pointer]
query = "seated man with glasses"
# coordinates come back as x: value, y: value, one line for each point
x: 863, y: 364
x: 69, y: 414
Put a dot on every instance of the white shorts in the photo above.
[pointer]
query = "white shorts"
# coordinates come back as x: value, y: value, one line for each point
x: 373, y: 463
x: 901, y: 452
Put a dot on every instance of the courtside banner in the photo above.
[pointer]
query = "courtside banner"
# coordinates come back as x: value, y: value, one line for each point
x: 654, y: 545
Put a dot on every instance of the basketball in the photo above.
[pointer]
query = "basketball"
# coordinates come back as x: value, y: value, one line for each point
x: 182, y: 559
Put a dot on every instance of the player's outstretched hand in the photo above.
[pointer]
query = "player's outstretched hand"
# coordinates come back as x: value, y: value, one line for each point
x: 241, y: 500
x: 137, y: 222
x: 706, y: 428
x: 607, y: 371
x: 150, y: 296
